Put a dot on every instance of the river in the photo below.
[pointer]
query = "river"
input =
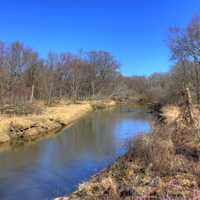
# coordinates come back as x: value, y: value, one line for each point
x: 55, y: 166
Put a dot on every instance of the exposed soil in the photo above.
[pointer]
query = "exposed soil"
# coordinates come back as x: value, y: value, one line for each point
x: 27, y: 127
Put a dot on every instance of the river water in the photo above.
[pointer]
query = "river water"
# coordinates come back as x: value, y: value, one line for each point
x: 55, y: 166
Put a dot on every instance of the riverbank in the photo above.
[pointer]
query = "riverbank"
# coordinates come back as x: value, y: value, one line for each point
x: 14, y: 128
x: 161, y: 165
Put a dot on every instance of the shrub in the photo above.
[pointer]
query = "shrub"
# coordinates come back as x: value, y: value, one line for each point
x: 21, y: 109
x: 153, y: 152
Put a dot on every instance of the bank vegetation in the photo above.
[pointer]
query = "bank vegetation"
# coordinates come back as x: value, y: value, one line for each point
x: 164, y: 164
x: 161, y: 165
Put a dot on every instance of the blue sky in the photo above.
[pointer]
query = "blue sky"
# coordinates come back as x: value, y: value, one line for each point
x: 133, y: 30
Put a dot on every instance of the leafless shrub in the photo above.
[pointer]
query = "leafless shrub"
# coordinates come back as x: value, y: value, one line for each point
x: 153, y: 152
x: 21, y: 109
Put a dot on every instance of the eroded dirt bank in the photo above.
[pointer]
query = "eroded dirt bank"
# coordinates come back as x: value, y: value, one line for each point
x: 52, y: 119
x: 162, y: 165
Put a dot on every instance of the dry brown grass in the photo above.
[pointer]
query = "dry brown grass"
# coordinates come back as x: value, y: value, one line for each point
x: 21, y: 109
x: 154, y: 168
x: 170, y: 148
x: 171, y: 113
x: 99, y: 105
x: 154, y: 153
x: 52, y: 118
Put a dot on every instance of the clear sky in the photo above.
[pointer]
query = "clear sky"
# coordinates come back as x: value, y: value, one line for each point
x: 133, y: 30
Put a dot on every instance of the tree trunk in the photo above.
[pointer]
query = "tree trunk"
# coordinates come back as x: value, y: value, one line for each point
x: 32, y: 93
x: 93, y: 88
x: 197, y: 84
x: 187, y: 113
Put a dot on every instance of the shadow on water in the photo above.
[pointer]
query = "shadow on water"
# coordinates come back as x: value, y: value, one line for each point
x: 55, y: 166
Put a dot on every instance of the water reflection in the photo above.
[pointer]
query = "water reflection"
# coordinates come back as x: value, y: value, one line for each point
x: 55, y: 166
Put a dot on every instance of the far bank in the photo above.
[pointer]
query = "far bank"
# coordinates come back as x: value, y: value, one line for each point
x: 22, y: 128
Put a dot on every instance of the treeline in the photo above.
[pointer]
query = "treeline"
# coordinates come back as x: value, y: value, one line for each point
x: 184, y: 45
x: 24, y: 76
